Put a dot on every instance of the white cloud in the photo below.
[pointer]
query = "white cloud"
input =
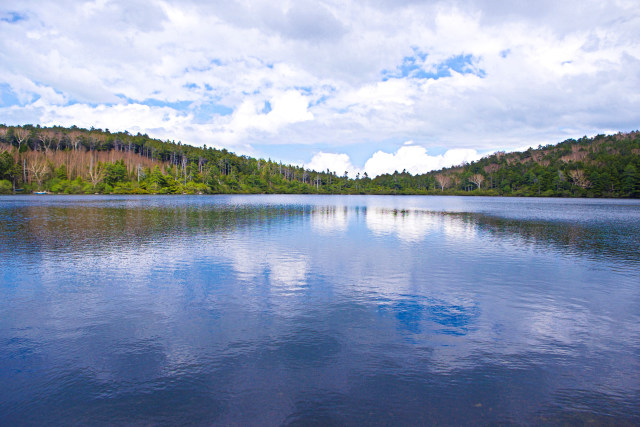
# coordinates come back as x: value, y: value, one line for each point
x: 415, y: 160
x: 537, y: 74
x: 338, y: 163
x: 160, y: 119
x: 412, y: 158
x: 286, y: 108
x: 380, y: 94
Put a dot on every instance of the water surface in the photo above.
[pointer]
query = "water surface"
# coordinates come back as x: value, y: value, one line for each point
x: 310, y: 309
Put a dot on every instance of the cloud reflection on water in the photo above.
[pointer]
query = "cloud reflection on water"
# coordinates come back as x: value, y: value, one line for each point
x: 329, y: 219
x: 249, y: 301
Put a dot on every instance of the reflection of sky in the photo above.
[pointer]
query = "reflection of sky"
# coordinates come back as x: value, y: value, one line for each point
x: 412, y: 225
x: 329, y: 219
x: 407, y: 225
x: 252, y: 302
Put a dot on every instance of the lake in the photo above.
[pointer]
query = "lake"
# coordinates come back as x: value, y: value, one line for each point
x: 328, y: 310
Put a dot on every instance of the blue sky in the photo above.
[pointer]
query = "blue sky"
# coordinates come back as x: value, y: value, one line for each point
x: 360, y: 86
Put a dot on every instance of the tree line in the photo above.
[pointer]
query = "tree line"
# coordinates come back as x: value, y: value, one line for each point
x: 86, y: 161
x: 601, y: 166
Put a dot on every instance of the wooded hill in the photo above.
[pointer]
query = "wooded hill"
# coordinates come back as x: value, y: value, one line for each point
x: 77, y: 161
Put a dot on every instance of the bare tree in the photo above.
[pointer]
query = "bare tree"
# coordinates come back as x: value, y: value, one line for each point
x: 58, y: 138
x: 491, y: 169
x: 22, y: 136
x: 37, y: 167
x: 477, y: 179
x: 75, y: 137
x: 97, y: 171
x: 443, y: 180
x: 579, y: 179
x: 46, y: 136
x: 578, y: 154
x: 184, y: 168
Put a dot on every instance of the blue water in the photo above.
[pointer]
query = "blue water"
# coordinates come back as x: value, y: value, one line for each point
x: 303, y: 310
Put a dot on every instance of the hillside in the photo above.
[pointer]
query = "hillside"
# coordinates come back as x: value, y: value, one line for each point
x: 76, y: 161
x: 602, y: 166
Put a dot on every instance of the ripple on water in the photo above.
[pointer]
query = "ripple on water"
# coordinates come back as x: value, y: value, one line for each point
x: 332, y: 310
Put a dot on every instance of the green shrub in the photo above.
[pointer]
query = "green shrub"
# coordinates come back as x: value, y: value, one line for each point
x: 5, y: 187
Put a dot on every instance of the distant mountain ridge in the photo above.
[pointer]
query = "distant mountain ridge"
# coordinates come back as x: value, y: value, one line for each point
x: 76, y: 161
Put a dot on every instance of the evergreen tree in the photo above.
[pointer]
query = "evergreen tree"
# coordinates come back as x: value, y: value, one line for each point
x: 631, y: 181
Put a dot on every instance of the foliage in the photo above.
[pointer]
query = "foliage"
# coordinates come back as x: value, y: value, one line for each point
x: 5, y: 187
x: 76, y: 161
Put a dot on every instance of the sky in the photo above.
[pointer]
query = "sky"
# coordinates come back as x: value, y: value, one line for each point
x: 359, y: 86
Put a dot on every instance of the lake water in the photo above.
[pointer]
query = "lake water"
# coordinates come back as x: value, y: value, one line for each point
x: 334, y: 310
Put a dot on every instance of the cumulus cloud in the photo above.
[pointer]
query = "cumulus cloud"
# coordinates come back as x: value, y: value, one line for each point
x: 415, y: 160
x: 411, y: 158
x: 338, y: 163
x: 130, y: 116
x: 249, y: 75
x: 284, y: 108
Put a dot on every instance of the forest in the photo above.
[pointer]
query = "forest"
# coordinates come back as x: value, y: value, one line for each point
x: 94, y: 161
